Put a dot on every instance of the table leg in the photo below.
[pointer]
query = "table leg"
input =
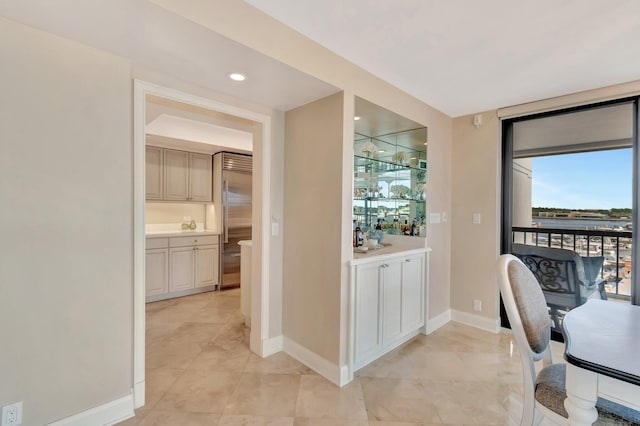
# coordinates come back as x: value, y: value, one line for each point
x: 582, y: 394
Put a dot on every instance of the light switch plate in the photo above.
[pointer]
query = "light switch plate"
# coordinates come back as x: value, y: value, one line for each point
x: 434, y: 218
x: 444, y: 216
x: 476, y: 218
x: 275, y: 229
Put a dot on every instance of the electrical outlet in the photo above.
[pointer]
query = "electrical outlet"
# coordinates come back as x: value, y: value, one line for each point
x: 12, y: 414
x: 477, y: 305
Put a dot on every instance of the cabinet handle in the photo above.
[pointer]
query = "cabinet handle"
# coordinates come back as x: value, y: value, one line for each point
x: 384, y: 265
x: 407, y: 260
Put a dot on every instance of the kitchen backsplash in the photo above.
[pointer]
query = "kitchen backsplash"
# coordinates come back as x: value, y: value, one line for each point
x: 172, y: 213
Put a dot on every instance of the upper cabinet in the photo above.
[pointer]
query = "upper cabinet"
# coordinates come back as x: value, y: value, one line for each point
x: 174, y: 175
x: 389, y: 172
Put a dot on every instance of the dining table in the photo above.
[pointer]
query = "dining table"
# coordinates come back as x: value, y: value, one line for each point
x: 602, y: 350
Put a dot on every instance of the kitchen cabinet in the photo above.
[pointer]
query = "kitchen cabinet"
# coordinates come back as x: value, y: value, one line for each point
x: 387, y: 303
x: 154, y: 166
x: 181, y: 265
x: 173, y: 175
x: 157, y: 271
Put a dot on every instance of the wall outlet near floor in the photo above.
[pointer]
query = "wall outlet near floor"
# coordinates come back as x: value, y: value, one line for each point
x: 12, y: 414
x: 477, y: 305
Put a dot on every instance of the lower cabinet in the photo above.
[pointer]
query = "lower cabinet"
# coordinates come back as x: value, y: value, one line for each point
x: 388, y: 299
x: 182, y: 266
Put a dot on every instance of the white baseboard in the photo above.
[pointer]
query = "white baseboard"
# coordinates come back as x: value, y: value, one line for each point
x: 438, y: 321
x: 138, y: 394
x: 334, y: 373
x: 106, y: 414
x: 488, y: 324
x: 272, y: 346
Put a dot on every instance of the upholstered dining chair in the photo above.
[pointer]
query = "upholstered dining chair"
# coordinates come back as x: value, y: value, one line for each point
x: 544, y: 392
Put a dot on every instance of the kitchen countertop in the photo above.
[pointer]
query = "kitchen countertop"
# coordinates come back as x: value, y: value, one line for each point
x: 179, y: 233
x: 382, y: 253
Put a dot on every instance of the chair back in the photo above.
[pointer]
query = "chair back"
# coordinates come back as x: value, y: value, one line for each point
x: 557, y: 270
x: 530, y: 323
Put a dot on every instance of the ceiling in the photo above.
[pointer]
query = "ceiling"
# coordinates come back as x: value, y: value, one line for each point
x: 156, y: 40
x: 464, y: 57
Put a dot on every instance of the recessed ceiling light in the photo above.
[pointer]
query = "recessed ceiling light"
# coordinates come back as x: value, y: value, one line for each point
x: 356, y: 118
x: 414, y: 158
x: 381, y: 150
x: 426, y: 143
x: 236, y: 76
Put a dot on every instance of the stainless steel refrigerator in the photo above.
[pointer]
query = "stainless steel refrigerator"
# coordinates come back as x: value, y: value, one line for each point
x: 232, y: 175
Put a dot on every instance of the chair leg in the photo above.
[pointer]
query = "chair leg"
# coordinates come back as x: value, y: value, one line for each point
x: 603, y: 292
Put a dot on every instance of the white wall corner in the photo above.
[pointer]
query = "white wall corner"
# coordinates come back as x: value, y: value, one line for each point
x: 336, y: 374
x: 436, y: 322
x: 110, y: 413
x: 488, y: 324
x: 271, y: 346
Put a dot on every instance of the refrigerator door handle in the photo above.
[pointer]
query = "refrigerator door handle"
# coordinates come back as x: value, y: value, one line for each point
x: 225, y: 211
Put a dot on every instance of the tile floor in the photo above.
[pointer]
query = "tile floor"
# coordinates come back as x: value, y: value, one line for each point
x: 200, y: 372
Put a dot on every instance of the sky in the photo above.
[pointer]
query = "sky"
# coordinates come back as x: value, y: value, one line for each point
x: 589, y: 180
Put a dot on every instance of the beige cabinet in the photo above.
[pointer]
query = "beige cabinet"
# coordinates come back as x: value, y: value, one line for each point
x: 154, y: 165
x: 182, y: 268
x: 174, y: 175
x: 199, y: 177
x: 206, y: 266
x: 157, y: 271
x: 178, y: 266
x: 387, y: 305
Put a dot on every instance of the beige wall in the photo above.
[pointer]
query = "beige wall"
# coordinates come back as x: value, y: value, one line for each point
x: 476, y: 189
x: 312, y: 227
x: 66, y: 186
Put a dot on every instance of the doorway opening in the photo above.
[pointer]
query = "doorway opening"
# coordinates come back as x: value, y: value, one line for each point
x: 151, y: 101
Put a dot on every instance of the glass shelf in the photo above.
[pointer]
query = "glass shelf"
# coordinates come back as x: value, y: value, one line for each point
x: 389, y: 189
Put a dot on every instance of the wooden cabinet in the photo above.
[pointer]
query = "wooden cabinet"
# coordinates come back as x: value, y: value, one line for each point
x: 199, y: 177
x: 206, y: 267
x: 387, y: 303
x: 154, y: 166
x: 173, y: 175
x: 157, y: 271
x: 182, y: 268
x: 176, y: 175
x: 178, y: 266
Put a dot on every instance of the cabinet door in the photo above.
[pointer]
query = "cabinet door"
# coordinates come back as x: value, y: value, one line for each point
x: 157, y: 271
x: 207, y: 260
x: 368, y: 335
x: 199, y: 177
x: 181, y: 268
x: 176, y: 175
x: 391, y: 301
x: 412, y: 293
x: 153, y: 173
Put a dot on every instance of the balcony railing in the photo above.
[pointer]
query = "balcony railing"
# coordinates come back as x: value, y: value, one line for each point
x: 614, y: 246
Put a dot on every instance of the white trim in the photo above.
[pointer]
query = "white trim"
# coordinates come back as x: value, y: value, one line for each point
x: 272, y: 346
x: 106, y: 414
x: 140, y: 90
x: 488, y: 324
x: 438, y: 321
x: 139, y: 393
x: 330, y: 371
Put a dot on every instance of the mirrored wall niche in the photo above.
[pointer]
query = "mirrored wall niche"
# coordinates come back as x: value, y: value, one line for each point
x: 389, y: 172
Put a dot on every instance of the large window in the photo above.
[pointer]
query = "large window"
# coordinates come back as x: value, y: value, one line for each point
x: 570, y: 181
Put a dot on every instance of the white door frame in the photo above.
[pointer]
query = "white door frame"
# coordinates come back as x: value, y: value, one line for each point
x: 260, y: 312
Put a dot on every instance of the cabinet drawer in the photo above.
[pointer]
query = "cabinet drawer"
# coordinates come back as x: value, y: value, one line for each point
x: 193, y: 240
x: 156, y: 243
